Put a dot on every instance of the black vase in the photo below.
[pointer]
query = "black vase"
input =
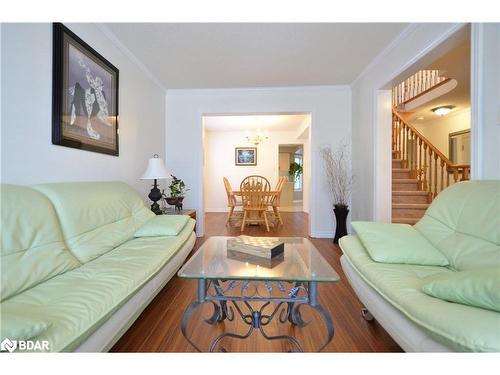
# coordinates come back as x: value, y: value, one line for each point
x: 341, y: 213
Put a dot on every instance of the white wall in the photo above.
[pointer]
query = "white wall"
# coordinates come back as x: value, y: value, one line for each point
x: 28, y: 155
x: 383, y: 147
x: 485, y: 101
x: 219, y: 163
x: 305, y: 134
x: 438, y: 130
x: 330, y: 107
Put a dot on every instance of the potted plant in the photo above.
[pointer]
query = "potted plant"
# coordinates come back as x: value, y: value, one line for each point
x: 177, y: 191
x: 340, y: 181
x: 295, y: 170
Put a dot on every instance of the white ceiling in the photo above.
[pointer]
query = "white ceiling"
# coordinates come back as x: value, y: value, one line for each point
x: 453, y: 64
x: 254, y: 122
x: 228, y: 55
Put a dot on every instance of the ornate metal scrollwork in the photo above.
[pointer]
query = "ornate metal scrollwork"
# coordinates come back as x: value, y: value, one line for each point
x: 250, y: 289
x: 229, y: 304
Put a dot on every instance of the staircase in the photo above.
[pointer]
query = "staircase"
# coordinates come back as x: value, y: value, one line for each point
x: 419, y: 172
x: 408, y: 203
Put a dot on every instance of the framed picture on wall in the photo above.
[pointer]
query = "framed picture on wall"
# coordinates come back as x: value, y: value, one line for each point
x: 245, y: 156
x: 84, y: 95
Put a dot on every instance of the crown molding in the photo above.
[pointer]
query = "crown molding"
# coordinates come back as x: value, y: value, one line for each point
x: 382, y: 54
x: 118, y: 43
x: 399, y: 39
x: 271, y: 89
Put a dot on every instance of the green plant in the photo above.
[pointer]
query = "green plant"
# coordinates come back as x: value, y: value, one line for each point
x: 177, y: 187
x: 295, y: 170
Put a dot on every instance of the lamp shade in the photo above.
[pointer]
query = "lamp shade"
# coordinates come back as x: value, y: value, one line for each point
x: 156, y: 169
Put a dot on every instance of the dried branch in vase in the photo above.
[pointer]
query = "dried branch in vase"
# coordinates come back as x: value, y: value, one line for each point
x: 338, y: 174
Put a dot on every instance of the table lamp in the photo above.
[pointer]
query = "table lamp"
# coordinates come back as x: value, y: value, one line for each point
x: 155, y: 170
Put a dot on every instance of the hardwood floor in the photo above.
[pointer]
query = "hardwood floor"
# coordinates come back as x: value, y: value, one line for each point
x: 158, y: 328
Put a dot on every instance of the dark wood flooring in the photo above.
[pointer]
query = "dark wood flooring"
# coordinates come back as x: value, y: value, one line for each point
x: 158, y: 328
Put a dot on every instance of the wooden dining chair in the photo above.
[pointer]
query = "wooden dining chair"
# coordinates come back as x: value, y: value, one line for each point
x: 256, y: 180
x: 232, y: 202
x: 275, y: 200
x: 255, y: 196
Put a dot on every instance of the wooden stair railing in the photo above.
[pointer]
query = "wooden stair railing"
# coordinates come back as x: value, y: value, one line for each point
x: 416, y: 85
x: 429, y: 166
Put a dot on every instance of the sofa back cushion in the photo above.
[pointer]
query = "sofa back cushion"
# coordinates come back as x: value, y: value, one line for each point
x: 96, y: 217
x: 464, y: 223
x: 32, y: 245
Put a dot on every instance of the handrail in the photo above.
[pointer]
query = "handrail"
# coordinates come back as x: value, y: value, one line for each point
x: 429, y: 144
x: 420, y: 156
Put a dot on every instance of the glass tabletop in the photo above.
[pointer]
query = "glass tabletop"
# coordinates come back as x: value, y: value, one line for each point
x: 301, y: 261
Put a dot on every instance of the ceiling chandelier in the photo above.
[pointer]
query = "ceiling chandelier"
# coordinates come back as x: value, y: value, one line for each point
x: 256, y: 138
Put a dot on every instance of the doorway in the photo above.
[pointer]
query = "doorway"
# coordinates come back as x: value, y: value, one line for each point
x: 291, y: 166
x: 459, y: 146
x: 261, y: 134
x: 417, y: 105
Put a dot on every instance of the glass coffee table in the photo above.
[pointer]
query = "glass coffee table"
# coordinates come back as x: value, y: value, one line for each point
x: 242, y: 287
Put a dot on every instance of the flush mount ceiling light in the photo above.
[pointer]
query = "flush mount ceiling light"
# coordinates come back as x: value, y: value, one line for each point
x: 443, y: 110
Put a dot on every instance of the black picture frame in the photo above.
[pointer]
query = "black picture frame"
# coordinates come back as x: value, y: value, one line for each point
x: 84, y: 95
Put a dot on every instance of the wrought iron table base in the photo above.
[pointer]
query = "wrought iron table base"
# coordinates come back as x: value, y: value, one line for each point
x: 287, y: 309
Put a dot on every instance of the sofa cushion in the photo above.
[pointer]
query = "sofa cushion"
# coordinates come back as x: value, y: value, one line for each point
x: 96, y: 217
x: 397, y: 243
x: 32, y: 245
x: 162, y: 225
x: 20, y: 327
x: 460, y: 327
x: 478, y: 287
x: 80, y: 301
x: 463, y: 222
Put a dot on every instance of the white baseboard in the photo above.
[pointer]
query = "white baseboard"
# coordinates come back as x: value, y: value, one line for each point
x: 291, y: 209
x: 282, y: 209
x: 322, y: 234
x: 223, y: 209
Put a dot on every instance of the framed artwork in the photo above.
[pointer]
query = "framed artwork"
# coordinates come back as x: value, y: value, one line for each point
x: 245, y: 156
x: 84, y: 95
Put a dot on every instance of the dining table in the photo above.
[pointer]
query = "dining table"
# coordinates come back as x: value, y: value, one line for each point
x: 271, y: 194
